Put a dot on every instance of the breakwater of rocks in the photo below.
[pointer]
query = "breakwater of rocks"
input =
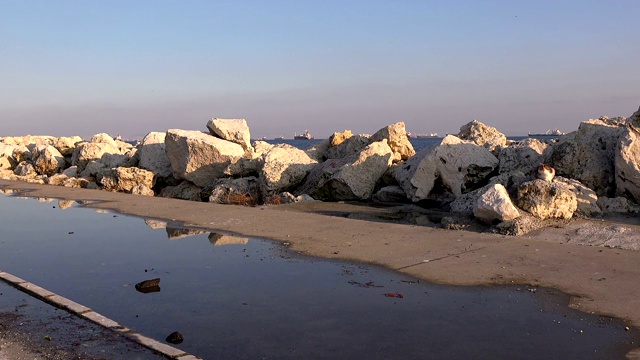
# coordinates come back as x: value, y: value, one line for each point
x: 477, y: 175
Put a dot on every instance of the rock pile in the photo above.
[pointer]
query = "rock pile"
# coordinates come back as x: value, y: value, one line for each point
x: 477, y: 173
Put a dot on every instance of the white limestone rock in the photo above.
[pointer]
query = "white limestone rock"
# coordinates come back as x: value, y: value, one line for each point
x: 91, y: 151
x: 242, y: 191
x: 350, y: 178
x: 244, y: 168
x: 283, y: 168
x: 22, y: 153
x: 141, y: 190
x: 25, y: 168
x: 617, y: 205
x: 318, y: 151
x: 186, y: 190
x: 494, y: 205
x: 234, y: 130
x: 48, y: 160
x: 348, y: 147
x: 451, y: 168
x: 92, y: 169
x: 123, y: 179
x: 7, y: 159
x: 260, y: 147
x: 396, y: 136
x: 105, y: 139
x: 57, y: 179
x: 586, y: 198
x: 199, y: 157
x: 153, y: 156
x: 85, y: 183
x: 67, y: 144
x: 338, y: 137
x: 627, y: 161
x: 523, y: 156
x: 547, y: 200
x: 483, y: 135
x: 588, y: 155
x: 6, y: 174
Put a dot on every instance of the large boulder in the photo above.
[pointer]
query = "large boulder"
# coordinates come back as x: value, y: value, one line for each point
x: 91, y: 169
x: 125, y: 179
x: 152, y: 155
x: 396, y: 136
x: 451, y: 168
x: 494, y: 205
x: 260, y: 147
x: 523, y: 156
x: 25, y: 168
x: 57, y: 179
x: 283, y: 168
x: 589, y: 154
x: 199, y: 157
x: 104, y: 138
x: 7, y: 160
x: 67, y: 144
x: 587, y: 199
x: 634, y: 121
x: 547, y: 200
x: 30, y: 141
x: 348, y: 147
x: 91, y: 151
x: 483, y: 135
x: 617, y: 205
x: 627, y: 160
x: 48, y: 160
x: 350, y: 178
x: 186, y: 190
x: 115, y: 160
x: 234, y: 130
x: 318, y: 150
x: 338, y: 138
x: 22, y: 153
x: 242, y: 191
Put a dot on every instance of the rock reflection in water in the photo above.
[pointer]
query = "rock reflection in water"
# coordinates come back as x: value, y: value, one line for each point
x: 65, y: 204
x: 180, y: 233
x: 223, y: 239
x: 155, y: 224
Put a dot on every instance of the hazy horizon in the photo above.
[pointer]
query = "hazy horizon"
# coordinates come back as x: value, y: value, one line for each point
x: 129, y: 68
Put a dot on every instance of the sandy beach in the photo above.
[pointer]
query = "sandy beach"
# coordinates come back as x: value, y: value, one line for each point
x: 600, y: 280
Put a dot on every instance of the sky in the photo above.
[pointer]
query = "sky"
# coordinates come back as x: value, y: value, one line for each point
x: 135, y: 66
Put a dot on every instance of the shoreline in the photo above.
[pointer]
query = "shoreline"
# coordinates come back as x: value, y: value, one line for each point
x: 598, y: 279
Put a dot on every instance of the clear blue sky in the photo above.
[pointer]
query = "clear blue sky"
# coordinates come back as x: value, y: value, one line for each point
x: 131, y: 67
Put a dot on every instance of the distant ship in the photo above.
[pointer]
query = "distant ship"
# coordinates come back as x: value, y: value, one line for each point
x: 555, y: 132
x: 305, y: 136
x: 279, y: 138
x: 428, y: 136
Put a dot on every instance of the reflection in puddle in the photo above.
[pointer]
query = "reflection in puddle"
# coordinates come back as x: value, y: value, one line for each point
x: 65, y: 204
x: 181, y: 233
x: 222, y: 239
x: 256, y: 299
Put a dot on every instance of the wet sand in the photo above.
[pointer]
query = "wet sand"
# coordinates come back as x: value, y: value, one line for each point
x: 601, y: 280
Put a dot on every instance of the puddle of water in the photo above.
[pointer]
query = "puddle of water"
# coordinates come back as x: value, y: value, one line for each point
x: 46, y: 332
x: 245, y: 298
